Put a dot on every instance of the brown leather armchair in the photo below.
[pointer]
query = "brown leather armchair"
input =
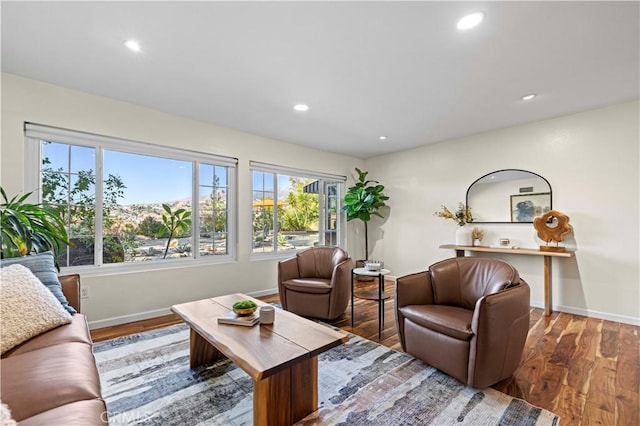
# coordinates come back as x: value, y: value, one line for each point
x: 316, y: 282
x: 466, y: 316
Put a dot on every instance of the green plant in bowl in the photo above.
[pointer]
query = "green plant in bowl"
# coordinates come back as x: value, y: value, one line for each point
x: 244, y: 307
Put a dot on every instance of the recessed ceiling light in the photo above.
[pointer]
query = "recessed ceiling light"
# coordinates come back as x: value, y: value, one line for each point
x: 471, y: 20
x: 301, y: 107
x: 132, y: 45
x: 383, y: 138
x: 529, y: 97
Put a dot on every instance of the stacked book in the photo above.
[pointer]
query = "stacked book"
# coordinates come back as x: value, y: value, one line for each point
x: 235, y: 319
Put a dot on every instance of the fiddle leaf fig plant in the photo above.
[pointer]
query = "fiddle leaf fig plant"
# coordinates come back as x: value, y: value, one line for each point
x: 30, y: 228
x: 362, y: 200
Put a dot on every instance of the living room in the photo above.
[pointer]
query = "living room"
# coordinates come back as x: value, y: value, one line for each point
x: 588, y: 152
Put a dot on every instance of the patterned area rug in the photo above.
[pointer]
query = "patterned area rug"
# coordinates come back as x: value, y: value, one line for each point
x: 146, y: 380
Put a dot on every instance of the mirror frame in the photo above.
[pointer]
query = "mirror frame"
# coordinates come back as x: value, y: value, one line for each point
x: 508, y: 170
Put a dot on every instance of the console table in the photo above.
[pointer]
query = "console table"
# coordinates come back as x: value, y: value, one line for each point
x: 520, y: 251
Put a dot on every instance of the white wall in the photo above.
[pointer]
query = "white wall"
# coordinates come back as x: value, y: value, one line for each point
x: 590, y: 159
x: 127, y: 296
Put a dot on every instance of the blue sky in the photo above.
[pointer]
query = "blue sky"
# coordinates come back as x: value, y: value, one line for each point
x: 147, y: 179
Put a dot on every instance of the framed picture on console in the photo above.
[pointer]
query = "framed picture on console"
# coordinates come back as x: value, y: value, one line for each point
x: 525, y: 207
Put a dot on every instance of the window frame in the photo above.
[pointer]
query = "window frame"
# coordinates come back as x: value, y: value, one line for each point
x: 323, y: 178
x: 36, y: 133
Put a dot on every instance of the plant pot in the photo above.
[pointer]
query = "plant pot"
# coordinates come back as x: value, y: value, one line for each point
x: 463, y: 236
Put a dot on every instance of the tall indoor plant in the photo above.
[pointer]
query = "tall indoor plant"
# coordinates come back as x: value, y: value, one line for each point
x: 362, y: 200
x: 30, y: 228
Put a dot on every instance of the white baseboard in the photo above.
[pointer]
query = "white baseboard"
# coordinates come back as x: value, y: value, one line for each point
x: 590, y: 313
x: 261, y: 293
x: 108, y: 322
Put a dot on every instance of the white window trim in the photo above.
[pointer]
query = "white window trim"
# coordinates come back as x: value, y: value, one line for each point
x: 274, y: 168
x: 34, y: 133
x: 256, y: 166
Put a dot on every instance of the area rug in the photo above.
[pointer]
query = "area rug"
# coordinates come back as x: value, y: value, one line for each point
x: 146, y: 380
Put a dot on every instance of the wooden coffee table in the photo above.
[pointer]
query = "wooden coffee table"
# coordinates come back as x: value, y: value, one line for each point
x: 282, y: 358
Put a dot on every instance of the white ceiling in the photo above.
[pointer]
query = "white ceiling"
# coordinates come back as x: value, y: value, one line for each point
x: 366, y: 69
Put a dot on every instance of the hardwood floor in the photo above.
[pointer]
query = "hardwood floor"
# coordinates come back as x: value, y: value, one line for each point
x: 586, y: 370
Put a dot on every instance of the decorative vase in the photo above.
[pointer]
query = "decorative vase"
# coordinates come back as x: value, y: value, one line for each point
x: 463, y: 236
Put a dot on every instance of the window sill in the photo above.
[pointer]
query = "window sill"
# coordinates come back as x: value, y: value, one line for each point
x: 257, y: 257
x: 132, y: 268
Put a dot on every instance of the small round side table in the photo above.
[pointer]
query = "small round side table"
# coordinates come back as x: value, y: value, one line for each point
x: 380, y: 297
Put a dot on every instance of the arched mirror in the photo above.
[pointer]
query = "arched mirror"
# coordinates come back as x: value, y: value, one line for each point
x: 509, y: 196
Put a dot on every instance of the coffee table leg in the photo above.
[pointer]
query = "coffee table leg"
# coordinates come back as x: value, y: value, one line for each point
x: 304, y: 388
x: 287, y: 396
x: 201, y: 352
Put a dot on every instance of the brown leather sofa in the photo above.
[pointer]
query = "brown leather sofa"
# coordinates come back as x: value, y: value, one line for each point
x: 316, y: 282
x: 52, y: 379
x: 466, y: 316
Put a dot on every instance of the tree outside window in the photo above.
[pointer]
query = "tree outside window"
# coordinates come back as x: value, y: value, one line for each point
x: 285, y: 215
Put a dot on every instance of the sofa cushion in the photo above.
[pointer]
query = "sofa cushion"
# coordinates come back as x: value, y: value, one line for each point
x: 449, y: 320
x: 41, y: 380
x: 308, y: 285
x: 79, y: 413
x: 27, y: 308
x: 43, y: 267
x: 76, y: 331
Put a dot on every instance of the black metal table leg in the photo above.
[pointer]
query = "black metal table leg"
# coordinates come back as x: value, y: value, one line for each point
x: 352, y: 299
x: 380, y: 305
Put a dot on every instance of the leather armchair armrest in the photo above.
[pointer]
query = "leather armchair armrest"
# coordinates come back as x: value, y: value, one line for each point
x: 287, y: 270
x: 342, y: 272
x: 500, y: 325
x: 414, y: 289
x: 341, y: 282
x: 71, y: 289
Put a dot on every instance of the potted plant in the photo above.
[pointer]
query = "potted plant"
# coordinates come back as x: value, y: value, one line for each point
x: 362, y: 200
x: 30, y: 228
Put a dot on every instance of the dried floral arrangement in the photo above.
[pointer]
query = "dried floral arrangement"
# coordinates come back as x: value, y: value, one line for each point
x: 462, y: 216
x: 477, y: 234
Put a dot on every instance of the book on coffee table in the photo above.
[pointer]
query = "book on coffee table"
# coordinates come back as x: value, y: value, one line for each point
x: 235, y: 319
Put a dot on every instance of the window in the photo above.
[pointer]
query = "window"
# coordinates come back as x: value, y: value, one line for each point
x: 294, y: 209
x: 128, y: 202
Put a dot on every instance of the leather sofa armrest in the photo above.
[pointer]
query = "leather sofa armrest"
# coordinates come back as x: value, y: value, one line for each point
x: 71, y: 289
x: 500, y: 325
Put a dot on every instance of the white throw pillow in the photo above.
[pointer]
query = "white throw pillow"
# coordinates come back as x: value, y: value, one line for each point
x: 5, y: 416
x: 27, y: 307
